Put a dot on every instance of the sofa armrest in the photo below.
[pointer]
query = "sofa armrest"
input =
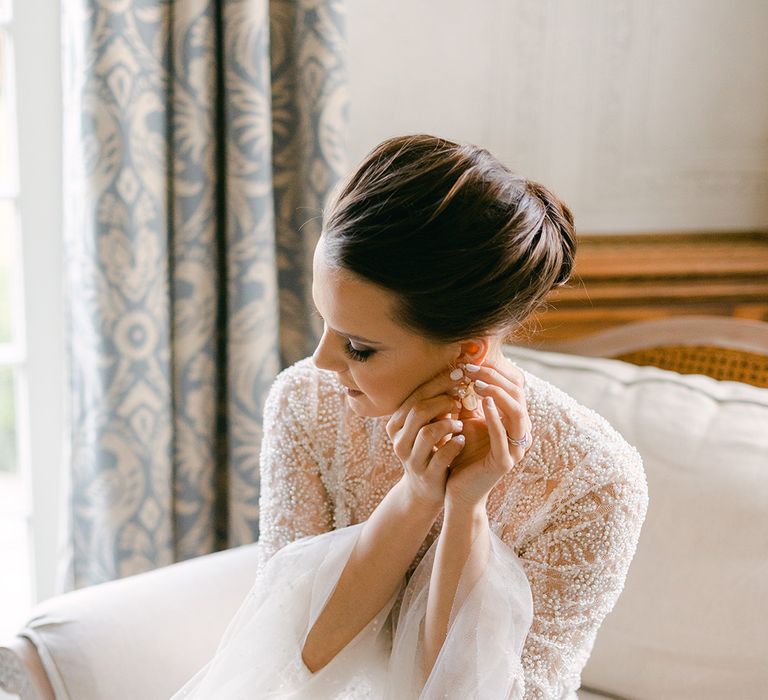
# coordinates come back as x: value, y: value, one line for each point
x: 22, y: 672
x: 141, y: 636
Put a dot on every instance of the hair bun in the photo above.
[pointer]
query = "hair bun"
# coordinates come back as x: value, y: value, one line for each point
x: 467, y: 246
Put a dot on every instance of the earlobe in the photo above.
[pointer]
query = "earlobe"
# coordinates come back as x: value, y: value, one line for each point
x: 475, y: 350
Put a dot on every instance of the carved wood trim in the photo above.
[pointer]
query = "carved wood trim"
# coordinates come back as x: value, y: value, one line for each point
x: 625, y: 278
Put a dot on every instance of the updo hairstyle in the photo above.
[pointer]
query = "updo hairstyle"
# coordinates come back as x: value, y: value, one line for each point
x: 467, y: 246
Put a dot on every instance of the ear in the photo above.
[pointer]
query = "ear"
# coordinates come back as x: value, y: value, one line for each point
x: 474, y: 350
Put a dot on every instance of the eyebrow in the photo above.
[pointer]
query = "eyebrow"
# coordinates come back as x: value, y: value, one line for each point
x: 359, y: 338
x: 351, y: 336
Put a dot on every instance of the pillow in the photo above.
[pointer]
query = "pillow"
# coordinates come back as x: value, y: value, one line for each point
x: 691, y: 621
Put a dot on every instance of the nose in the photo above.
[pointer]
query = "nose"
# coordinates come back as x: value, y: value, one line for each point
x: 328, y: 354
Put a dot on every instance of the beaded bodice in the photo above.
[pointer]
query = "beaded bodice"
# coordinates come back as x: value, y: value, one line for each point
x: 571, y: 511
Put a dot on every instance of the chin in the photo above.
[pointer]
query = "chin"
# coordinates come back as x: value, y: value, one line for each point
x: 365, y: 408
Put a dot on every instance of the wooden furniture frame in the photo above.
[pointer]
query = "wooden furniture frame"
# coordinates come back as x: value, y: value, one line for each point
x: 623, y: 279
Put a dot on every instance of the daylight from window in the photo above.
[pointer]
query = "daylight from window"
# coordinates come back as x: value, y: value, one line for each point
x: 15, y: 585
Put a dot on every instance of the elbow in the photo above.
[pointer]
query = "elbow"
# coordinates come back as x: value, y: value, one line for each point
x: 312, y: 657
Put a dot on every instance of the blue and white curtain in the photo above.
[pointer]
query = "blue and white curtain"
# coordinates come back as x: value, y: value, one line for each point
x: 202, y: 139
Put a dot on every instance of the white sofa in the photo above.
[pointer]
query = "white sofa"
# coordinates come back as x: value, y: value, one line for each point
x: 690, y: 624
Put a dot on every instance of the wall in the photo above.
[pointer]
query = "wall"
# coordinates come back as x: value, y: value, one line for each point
x: 643, y: 115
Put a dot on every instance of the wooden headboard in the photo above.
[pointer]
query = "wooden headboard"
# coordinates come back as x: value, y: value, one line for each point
x: 690, y: 302
x: 620, y: 279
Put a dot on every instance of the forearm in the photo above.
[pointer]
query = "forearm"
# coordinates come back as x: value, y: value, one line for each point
x: 388, y: 544
x: 463, y: 547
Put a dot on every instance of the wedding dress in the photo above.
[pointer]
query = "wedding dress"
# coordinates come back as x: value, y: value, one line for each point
x: 564, y: 529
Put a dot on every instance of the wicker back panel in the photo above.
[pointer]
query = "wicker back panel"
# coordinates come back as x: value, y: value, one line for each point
x: 713, y: 361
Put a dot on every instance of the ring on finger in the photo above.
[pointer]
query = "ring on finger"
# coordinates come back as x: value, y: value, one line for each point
x: 522, y: 442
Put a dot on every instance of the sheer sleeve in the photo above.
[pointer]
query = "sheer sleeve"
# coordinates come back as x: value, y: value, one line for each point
x: 577, y: 567
x: 293, y: 501
x: 480, y: 657
x: 301, y: 558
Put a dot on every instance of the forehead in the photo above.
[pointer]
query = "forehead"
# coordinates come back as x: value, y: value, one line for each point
x: 349, y: 303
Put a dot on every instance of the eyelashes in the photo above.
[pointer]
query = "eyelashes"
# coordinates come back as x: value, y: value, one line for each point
x: 355, y: 354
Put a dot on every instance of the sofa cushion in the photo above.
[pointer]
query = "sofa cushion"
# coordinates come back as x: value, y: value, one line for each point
x: 691, y: 621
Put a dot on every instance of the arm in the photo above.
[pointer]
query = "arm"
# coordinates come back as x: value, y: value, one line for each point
x: 461, y: 556
x: 387, y: 545
x: 393, y: 535
x: 293, y: 501
x: 577, y: 567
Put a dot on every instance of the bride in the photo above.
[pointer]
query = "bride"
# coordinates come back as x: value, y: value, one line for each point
x: 435, y: 521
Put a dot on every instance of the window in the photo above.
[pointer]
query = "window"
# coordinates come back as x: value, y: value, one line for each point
x: 15, y: 515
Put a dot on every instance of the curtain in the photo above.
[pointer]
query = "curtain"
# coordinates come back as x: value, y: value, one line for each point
x: 201, y: 141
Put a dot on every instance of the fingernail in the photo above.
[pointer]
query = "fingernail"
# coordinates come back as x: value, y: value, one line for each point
x: 480, y: 384
x: 459, y: 438
x: 456, y: 375
x: 471, y: 368
x: 457, y: 425
x: 490, y: 403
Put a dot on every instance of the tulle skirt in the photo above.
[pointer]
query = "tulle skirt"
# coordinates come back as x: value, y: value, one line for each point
x: 259, y: 655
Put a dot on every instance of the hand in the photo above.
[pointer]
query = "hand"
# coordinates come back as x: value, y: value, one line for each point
x: 423, y: 433
x: 489, y: 455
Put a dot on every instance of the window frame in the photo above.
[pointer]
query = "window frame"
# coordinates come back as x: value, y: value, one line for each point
x: 41, y: 380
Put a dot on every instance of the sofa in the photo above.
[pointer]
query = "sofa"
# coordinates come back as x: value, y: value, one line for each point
x: 690, y: 623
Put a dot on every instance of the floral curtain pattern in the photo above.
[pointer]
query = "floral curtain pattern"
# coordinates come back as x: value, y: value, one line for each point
x: 202, y: 139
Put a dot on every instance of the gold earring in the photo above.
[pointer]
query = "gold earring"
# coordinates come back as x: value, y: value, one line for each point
x: 465, y: 392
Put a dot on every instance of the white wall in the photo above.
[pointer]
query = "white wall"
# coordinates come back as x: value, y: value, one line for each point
x: 641, y: 114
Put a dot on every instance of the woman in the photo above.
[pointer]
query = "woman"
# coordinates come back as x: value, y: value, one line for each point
x: 435, y: 521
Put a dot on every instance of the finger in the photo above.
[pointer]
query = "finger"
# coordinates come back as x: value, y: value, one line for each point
x: 423, y: 413
x: 431, y: 436
x: 443, y: 404
x: 500, y: 447
x: 443, y: 458
x: 514, y: 413
x: 427, y: 411
x: 440, y: 383
x: 513, y: 382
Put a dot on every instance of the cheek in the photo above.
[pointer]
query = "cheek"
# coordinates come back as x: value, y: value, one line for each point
x: 387, y: 386
x: 385, y: 389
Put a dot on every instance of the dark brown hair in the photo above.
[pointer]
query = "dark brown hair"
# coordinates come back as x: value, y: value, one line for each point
x: 468, y: 246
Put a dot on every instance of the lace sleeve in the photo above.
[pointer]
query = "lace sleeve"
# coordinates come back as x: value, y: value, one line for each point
x: 293, y: 501
x: 576, y: 568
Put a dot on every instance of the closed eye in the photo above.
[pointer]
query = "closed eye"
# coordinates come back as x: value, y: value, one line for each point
x: 359, y: 354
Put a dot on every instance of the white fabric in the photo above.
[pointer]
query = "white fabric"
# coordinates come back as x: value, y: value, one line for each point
x: 260, y: 653
x: 691, y: 622
x: 568, y: 516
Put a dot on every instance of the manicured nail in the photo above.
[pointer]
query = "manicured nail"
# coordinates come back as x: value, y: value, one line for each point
x: 456, y: 375
x: 480, y: 384
x: 471, y: 368
x: 489, y: 402
x: 457, y: 425
x: 459, y: 438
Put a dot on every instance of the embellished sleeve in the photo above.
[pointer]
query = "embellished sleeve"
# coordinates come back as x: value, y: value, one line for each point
x: 576, y: 567
x: 293, y: 501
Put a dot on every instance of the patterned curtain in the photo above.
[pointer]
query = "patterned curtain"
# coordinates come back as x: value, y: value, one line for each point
x: 202, y: 139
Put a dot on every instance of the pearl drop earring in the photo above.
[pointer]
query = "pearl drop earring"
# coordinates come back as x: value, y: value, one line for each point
x: 465, y: 392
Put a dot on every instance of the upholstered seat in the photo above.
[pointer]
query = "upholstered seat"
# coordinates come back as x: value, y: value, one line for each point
x: 689, y: 623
